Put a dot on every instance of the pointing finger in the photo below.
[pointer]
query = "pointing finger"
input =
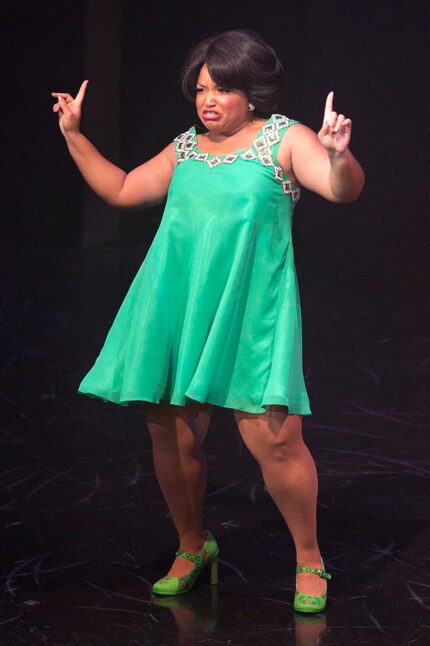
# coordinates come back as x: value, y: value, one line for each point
x: 80, y: 95
x: 332, y: 118
x: 328, y: 106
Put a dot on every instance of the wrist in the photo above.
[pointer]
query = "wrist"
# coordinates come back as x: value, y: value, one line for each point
x: 337, y: 156
x: 71, y: 136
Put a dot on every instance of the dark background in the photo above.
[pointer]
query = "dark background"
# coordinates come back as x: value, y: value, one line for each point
x: 371, y: 53
x: 84, y: 525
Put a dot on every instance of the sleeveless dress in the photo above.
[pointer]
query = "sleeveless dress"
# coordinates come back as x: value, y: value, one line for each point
x: 213, y: 314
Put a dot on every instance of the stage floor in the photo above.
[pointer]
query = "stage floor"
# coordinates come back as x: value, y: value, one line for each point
x: 84, y: 527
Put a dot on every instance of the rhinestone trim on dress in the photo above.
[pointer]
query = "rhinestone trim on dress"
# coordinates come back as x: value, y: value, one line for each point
x: 186, y: 147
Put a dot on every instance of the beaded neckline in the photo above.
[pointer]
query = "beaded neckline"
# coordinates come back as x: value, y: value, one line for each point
x: 261, y: 149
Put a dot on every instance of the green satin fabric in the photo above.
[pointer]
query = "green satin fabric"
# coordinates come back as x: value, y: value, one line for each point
x: 213, y: 314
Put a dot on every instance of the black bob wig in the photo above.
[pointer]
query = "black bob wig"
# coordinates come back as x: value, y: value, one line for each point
x: 238, y: 60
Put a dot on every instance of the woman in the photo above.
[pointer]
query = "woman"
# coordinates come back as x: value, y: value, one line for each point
x: 213, y: 315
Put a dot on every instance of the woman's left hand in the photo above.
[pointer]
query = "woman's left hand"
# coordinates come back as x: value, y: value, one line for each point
x: 335, y: 133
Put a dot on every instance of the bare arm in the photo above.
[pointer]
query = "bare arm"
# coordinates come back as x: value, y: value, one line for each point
x: 145, y: 185
x: 324, y: 163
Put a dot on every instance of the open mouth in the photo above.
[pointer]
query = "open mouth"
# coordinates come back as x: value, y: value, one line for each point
x: 210, y: 115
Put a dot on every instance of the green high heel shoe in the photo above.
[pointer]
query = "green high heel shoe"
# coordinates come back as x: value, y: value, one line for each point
x: 208, y: 557
x: 311, y: 602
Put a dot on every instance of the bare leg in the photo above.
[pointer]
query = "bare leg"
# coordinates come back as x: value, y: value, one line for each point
x: 275, y: 440
x: 180, y: 468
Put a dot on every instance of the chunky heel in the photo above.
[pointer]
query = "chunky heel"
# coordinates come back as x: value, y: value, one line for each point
x: 214, y: 571
x: 207, y: 558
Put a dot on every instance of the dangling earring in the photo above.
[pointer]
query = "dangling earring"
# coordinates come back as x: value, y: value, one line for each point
x: 251, y: 107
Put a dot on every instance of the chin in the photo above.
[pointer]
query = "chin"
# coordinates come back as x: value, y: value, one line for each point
x: 209, y: 125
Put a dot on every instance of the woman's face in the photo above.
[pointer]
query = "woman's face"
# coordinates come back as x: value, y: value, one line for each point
x: 220, y: 109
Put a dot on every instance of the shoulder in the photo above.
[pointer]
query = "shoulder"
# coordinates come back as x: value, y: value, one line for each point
x: 184, y: 137
x: 296, y: 135
x: 294, y: 129
x: 280, y: 122
x: 167, y: 155
x: 282, y: 129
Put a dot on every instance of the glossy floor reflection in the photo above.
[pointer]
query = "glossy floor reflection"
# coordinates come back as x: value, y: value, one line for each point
x: 85, y: 530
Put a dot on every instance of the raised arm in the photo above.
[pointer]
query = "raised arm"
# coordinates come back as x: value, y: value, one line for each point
x: 323, y: 163
x: 145, y: 185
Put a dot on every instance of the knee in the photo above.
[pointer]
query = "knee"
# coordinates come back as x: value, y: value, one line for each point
x: 274, y: 440
x: 283, y: 447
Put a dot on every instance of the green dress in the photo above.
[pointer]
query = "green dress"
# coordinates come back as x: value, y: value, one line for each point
x: 213, y: 314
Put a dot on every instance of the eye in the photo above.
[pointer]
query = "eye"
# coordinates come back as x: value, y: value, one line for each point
x: 224, y: 90
x: 199, y: 90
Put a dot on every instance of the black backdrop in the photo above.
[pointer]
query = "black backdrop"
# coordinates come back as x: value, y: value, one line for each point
x: 371, y: 53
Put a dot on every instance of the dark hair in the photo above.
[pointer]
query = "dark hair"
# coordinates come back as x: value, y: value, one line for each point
x: 239, y: 60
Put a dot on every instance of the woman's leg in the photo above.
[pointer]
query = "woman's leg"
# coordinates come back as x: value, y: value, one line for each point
x: 177, y: 435
x: 275, y: 439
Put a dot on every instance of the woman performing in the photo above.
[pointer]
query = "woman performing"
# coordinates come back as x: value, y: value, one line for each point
x: 213, y: 314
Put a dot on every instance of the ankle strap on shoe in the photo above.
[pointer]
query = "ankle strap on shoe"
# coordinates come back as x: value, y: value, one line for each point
x: 311, y: 570
x: 198, y: 559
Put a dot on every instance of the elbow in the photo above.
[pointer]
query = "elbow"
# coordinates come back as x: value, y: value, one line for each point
x: 353, y: 193
x: 122, y: 204
x: 113, y: 203
x: 351, y: 197
x: 119, y: 201
x: 358, y: 189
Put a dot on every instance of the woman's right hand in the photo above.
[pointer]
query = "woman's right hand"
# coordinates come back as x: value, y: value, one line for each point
x: 69, y: 110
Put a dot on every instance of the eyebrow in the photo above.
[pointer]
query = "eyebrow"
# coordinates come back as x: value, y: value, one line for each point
x: 217, y: 84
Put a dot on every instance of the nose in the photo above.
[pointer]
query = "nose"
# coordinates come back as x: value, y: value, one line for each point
x: 209, y: 99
